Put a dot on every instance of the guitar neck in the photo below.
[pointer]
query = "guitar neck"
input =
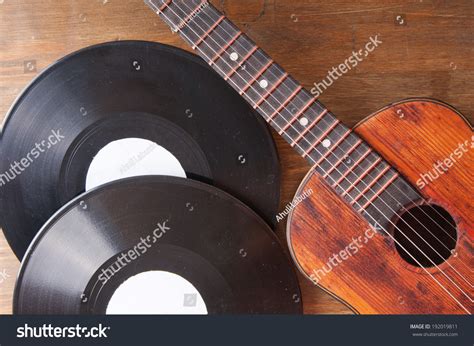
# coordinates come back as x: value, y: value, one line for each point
x: 290, y: 109
x: 334, y: 151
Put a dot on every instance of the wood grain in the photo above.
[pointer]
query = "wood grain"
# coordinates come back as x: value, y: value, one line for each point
x: 426, y: 52
x: 374, y: 278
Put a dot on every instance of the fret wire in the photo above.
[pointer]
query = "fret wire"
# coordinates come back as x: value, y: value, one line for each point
x: 274, y: 87
x: 283, y: 105
x: 209, y: 31
x: 249, y: 86
x: 186, y: 19
x: 315, y: 121
x: 234, y: 70
x: 224, y: 49
x: 165, y: 5
x: 320, y: 139
x: 268, y: 93
x: 306, y: 107
x: 353, y: 166
x: 279, y: 99
x: 334, y: 152
x: 353, y: 148
x: 159, y: 9
x: 254, y: 79
x: 324, y: 134
x: 243, y: 50
x: 297, y: 115
x: 363, y: 168
x: 380, y: 191
x: 289, y: 123
x: 334, y: 146
x: 363, y: 175
x: 321, y: 123
x: 271, y: 76
x: 336, y: 155
x: 368, y: 186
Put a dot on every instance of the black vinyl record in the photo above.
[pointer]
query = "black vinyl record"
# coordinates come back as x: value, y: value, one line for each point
x: 198, y: 232
x: 129, y: 89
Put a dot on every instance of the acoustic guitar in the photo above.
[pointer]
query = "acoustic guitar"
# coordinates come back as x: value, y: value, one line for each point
x: 385, y: 221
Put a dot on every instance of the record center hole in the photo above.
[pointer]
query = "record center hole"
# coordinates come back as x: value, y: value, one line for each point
x: 431, y: 229
x: 131, y: 157
x: 156, y: 293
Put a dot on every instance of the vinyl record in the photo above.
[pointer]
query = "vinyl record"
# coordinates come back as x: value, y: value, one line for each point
x: 124, y: 109
x: 153, y: 245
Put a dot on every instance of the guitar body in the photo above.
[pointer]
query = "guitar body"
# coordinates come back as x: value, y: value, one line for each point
x: 374, y: 278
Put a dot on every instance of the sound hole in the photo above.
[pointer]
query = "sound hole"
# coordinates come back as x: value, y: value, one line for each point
x: 431, y: 229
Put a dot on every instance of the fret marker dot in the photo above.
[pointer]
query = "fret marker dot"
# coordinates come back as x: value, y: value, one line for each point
x: 263, y: 84
x: 326, y: 143
x: 304, y: 121
x: 234, y: 56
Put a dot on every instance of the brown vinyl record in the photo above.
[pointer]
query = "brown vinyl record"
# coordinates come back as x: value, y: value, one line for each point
x: 211, y: 239
x: 129, y: 89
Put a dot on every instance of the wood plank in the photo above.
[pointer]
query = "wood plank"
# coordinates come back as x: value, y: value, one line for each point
x: 426, y: 52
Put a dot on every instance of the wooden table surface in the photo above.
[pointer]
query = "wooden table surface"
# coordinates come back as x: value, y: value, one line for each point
x: 427, y: 50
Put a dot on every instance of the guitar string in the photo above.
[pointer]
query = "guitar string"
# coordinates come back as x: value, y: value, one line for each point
x: 356, y: 189
x: 444, y: 288
x: 377, y: 183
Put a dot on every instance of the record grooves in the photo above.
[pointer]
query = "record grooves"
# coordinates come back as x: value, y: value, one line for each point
x: 211, y: 239
x: 130, y: 89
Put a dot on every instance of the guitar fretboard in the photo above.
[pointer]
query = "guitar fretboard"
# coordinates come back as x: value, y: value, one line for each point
x: 342, y: 158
